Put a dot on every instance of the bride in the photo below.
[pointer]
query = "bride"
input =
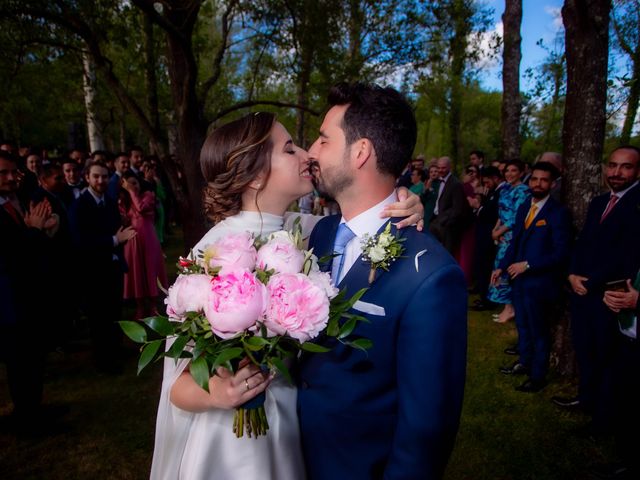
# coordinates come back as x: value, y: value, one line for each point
x: 254, y: 172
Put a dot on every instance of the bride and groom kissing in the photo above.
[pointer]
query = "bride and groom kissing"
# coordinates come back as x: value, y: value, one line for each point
x: 391, y: 412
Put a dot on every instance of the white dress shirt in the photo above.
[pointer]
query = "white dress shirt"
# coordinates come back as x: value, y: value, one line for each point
x: 368, y: 222
x: 443, y: 181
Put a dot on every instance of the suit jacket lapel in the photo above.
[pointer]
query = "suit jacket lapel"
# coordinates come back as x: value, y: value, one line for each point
x: 323, y: 244
x: 358, y: 275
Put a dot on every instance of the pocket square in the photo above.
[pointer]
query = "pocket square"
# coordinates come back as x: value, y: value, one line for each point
x: 370, y: 308
x: 541, y: 223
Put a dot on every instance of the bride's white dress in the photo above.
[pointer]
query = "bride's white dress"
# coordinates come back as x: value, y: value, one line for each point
x: 202, y: 446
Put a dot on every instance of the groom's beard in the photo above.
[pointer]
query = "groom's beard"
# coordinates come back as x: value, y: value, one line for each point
x: 332, y: 181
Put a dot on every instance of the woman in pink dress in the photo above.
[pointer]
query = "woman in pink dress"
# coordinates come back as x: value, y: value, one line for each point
x: 143, y: 252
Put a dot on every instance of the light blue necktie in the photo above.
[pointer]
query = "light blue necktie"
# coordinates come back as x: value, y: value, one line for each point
x: 344, y: 236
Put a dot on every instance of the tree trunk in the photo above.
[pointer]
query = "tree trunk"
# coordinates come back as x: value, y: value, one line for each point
x: 586, y: 25
x: 150, y: 79
x: 356, y: 24
x: 96, y: 142
x: 190, y: 124
x: 511, y: 103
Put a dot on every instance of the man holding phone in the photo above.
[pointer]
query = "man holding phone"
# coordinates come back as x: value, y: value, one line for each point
x: 626, y: 385
x: 605, y: 251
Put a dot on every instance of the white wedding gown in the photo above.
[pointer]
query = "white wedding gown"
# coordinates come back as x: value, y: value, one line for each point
x: 202, y: 446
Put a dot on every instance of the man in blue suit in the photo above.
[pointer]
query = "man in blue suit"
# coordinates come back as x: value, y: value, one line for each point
x: 393, y: 411
x: 536, y: 261
x: 606, y: 251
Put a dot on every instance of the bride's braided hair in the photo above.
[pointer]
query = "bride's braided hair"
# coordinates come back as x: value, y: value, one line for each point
x: 231, y: 158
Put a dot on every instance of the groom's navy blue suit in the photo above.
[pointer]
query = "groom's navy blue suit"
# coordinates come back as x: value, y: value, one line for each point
x: 392, y: 412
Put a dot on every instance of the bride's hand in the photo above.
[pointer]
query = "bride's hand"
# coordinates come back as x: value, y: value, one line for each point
x: 409, y: 206
x: 226, y: 390
x: 229, y: 390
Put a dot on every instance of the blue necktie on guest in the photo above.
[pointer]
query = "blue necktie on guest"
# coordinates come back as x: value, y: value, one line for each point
x: 343, y: 236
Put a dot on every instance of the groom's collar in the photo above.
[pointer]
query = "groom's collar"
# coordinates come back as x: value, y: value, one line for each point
x: 369, y: 221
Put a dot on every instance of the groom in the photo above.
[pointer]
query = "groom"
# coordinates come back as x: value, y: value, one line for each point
x: 391, y: 412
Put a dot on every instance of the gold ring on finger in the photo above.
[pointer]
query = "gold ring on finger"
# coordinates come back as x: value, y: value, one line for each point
x: 246, y: 384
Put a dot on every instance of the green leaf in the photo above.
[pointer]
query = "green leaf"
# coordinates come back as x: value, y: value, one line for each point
x: 258, y: 341
x: 314, y: 347
x: 333, y: 327
x: 161, y: 325
x: 134, y: 330
x: 149, y: 353
x: 361, y: 344
x: 282, y: 368
x: 200, y: 372
x: 178, y: 346
x: 357, y: 296
x: 347, y: 328
x: 227, y: 355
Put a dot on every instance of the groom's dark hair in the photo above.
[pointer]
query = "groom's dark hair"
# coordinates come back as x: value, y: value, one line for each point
x: 381, y: 115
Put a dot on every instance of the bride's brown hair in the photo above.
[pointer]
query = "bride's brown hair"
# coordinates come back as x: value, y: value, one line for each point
x: 231, y: 158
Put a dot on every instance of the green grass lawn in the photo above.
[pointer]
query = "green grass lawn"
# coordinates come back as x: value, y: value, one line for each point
x: 109, y: 429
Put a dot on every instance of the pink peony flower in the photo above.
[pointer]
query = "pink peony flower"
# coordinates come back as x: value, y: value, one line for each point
x: 280, y: 254
x: 237, y: 299
x: 189, y: 293
x: 296, y: 306
x: 323, y: 280
x: 232, y: 251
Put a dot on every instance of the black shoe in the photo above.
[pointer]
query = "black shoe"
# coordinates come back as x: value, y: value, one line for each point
x: 531, y: 386
x: 512, y: 351
x: 515, y: 369
x: 572, y: 403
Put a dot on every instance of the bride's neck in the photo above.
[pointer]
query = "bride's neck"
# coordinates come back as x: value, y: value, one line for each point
x: 251, y: 202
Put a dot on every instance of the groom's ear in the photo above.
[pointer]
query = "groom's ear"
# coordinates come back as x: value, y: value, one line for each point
x: 362, y: 151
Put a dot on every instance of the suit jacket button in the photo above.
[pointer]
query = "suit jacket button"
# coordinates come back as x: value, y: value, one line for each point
x: 304, y: 385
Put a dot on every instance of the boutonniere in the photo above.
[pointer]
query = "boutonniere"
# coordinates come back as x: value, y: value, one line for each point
x: 541, y: 223
x: 381, y: 250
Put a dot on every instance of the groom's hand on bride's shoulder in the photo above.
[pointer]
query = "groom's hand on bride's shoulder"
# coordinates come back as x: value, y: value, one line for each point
x: 409, y: 206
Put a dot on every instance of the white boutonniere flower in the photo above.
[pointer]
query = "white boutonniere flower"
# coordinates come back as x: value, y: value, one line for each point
x: 381, y: 250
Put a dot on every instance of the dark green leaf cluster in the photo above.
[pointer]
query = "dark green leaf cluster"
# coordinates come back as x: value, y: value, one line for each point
x: 193, y: 339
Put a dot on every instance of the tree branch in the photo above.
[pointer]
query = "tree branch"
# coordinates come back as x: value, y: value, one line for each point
x: 252, y: 103
x: 147, y: 7
x: 227, y: 19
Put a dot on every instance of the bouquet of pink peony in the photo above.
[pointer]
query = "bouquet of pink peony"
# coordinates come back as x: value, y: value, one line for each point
x: 244, y: 297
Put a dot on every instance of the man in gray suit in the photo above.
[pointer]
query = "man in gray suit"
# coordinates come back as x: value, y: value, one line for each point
x: 452, y: 212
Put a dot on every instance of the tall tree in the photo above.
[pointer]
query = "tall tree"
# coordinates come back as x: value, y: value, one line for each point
x: 586, y: 25
x: 511, y: 103
x: 626, y: 24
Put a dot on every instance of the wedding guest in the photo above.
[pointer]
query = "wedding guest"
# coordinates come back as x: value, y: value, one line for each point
x: 62, y: 313
x: 24, y: 248
x: 99, y: 238
x: 452, y: 213
x: 476, y: 158
x: 142, y: 253
x: 418, y: 177
x: 155, y: 184
x: 626, y: 384
x: 74, y: 185
x: 485, y: 248
x: 122, y: 165
x: 512, y: 195
x: 472, y: 187
x: 536, y: 262
x: 606, y: 250
x: 33, y: 163
x: 136, y: 157
x: 430, y: 193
